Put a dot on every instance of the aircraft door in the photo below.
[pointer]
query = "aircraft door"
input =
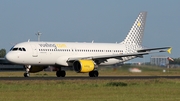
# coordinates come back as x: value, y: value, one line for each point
x: 34, y: 51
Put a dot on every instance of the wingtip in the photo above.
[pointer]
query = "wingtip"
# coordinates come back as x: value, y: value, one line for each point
x: 169, y: 50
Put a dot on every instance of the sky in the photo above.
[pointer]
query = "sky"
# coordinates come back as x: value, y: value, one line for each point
x: 106, y: 21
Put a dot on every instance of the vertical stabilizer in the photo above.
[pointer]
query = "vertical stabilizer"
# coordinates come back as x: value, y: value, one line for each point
x: 135, y: 35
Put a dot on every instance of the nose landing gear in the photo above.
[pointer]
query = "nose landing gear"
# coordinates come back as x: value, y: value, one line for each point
x: 26, y: 74
x: 27, y: 67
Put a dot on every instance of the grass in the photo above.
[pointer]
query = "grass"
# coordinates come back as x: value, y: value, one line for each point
x: 88, y: 90
x: 93, y: 90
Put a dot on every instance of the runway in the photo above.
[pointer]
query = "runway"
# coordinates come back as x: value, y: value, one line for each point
x: 89, y: 78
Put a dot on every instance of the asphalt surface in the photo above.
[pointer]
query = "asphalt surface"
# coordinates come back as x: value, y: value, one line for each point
x: 89, y: 78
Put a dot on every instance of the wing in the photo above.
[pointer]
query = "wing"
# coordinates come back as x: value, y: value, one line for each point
x: 139, y: 53
x: 118, y: 56
x: 152, y: 49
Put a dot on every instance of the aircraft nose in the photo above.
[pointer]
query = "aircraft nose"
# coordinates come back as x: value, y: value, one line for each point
x: 10, y: 57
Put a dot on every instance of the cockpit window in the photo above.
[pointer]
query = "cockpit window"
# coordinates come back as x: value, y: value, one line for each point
x: 23, y: 49
x: 14, y: 49
x: 11, y: 48
x: 18, y: 49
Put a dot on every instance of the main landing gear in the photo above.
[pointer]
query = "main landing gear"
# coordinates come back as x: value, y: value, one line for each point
x: 60, y: 73
x: 93, y: 74
x: 27, y: 67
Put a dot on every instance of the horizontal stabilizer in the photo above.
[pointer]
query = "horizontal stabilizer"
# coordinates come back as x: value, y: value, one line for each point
x: 153, y: 49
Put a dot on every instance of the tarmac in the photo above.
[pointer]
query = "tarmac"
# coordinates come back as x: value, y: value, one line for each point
x: 89, y: 78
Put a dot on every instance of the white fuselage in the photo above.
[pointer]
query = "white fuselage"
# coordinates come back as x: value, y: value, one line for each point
x: 52, y: 53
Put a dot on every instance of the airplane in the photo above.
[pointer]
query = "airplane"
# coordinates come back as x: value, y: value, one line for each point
x: 82, y: 57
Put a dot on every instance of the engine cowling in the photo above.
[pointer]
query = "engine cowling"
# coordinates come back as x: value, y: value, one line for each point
x: 83, y: 66
x: 35, y: 69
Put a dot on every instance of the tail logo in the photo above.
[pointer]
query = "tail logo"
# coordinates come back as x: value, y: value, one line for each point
x: 139, y: 24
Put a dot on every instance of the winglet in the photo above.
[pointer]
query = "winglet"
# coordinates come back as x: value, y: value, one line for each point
x: 169, y: 50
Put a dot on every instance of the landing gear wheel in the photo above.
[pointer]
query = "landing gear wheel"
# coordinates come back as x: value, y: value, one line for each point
x: 27, y: 67
x: 61, y: 73
x: 93, y: 74
x: 26, y: 74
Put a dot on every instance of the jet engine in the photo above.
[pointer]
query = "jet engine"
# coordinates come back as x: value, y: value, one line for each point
x: 83, y: 66
x: 35, y: 69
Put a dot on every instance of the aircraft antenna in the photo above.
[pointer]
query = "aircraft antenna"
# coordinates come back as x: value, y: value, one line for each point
x: 38, y: 34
